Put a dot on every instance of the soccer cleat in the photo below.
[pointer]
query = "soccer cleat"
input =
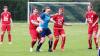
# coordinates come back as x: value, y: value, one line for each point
x: 54, y: 50
x: 1, y: 43
x: 31, y: 49
x: 96, y: 48
x: 50, y: 50
x: 37, y: 50
x: 10, y: 43
x: 41, y: 50
x: 62, y: 49
x: 89, y: 48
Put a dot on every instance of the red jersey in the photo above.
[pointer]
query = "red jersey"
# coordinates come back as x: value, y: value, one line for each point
x: 59, y: 21
x: 91, y: 17
x: 33, y: 17
x: 6, y: 17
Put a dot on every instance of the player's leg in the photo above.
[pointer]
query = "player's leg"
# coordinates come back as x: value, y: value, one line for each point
x: 3, y: 28
x: 99, y: 52
x: 9, y: 37
x: 40, y: 44
x: 63, y: 39
x: 55, y: 42
x: 56, y: 34
x: 39, y: 38
x: 98, y: 35
x: 95, y: 40
x: 9, y: 34
x: 95, y: 36
x: 42, y: 39
x: 90, y: 31
x: 50, y: 42
x: 1, y: 37
x: 34, y: 36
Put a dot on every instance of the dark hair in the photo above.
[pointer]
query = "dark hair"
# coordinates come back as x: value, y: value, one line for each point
x: 5, y: 6
x: 33, y: 8
x: 61, y: 8
x: 45, y: 9
x: 91, y: 5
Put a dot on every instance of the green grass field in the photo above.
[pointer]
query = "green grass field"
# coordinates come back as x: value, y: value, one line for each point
x: 76, y: 43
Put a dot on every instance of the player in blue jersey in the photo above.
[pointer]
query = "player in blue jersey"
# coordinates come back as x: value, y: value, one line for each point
x: 45, y: 17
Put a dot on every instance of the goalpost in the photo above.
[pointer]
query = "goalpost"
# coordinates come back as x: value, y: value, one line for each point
x: 74, y: 11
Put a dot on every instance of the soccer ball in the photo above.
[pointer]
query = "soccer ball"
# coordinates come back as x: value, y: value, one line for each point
x: 39, y: 29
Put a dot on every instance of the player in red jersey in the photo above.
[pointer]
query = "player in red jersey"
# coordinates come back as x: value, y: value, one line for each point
x: 34, y: 22
x: 58, y: 28
x: 92, y: 20
x: 6, y: 21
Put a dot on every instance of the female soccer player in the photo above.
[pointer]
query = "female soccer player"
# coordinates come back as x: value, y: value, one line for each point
x: 92, y: 20
x: 6, y: 21
x: 45, y: 17
x: 34, y: 17
x: 58, y: 28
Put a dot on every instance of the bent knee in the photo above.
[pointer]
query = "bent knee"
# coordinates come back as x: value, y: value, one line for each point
x: 63, y: 35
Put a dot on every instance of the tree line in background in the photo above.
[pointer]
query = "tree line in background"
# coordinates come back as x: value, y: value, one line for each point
x: 96, y: 3
x: 62, y: 0
x: 18, y: 8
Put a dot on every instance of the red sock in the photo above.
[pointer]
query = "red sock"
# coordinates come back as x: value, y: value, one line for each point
x: 90, y: 43
x: 55, y: 44
x: 63, y: 42
x: 1, y: 39
x: 95, y: 40
x: 9, y: 37
x: 33, y: 43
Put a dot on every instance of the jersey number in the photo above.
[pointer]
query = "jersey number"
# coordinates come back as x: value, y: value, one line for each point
x: 5, y: 18
x: 60, y: 22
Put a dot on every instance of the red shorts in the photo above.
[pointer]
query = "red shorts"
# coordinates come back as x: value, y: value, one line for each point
x: 34, y: 34
x: 6, y: 27
x: 92, y: 29
x: 58, y: 31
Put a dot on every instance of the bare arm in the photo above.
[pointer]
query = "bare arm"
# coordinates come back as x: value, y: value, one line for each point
x: 67, y: 24
x: 34, y: 22
x: 98, y: 36
x: 86, y: 21
x: 40, y: 20
x: 11, y: 21
x: 52, y: 20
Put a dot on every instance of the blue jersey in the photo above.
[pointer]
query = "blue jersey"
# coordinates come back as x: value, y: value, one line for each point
x: 46, y: 18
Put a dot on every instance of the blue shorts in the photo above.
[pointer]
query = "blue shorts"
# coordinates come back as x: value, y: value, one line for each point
x: 45, y: 32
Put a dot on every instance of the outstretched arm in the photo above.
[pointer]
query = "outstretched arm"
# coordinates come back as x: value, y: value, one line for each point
x: 52, y: 20
x: 67, y: 24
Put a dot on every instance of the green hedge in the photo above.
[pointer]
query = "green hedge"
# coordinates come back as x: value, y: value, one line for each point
x: 18, y: 8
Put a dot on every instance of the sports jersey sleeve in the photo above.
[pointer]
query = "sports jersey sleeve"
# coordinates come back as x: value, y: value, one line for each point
x: 95, y: 16
x: 54, y: 17
x: 86, y: 16
x: 10, y: 15
x: 42, y: 16
x: 1, y: 16
x: 30, y: 17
